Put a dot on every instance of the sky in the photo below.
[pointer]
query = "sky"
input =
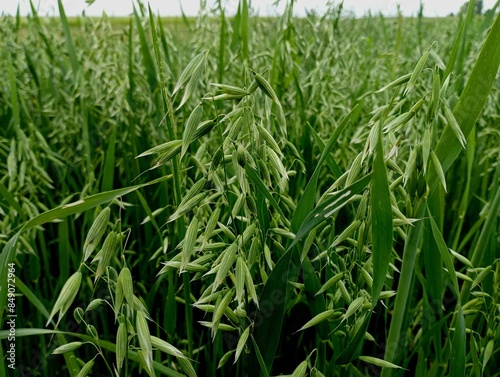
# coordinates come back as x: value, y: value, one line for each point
x: 432, y: 8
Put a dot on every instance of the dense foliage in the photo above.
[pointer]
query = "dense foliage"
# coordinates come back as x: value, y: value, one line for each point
x: 247, y: 196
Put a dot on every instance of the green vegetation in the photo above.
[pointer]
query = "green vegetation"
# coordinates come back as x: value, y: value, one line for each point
x: 250, y: 197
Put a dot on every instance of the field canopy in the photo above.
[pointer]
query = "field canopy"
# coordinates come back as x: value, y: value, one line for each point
x: 234, y: 196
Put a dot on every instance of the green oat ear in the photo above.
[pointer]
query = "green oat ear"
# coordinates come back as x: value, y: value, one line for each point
x: 473, y: 98
x: 121, y: 344
x: 190, y: 128
x: 68, y: 347
x: 189, y: 242
x: 66, y: 297
x: 416, y: 72
x: 166, y: 347
x: 9, y: 249
x: 241, y: 343
x: 466, y: 112
x: 329, y: 207
x: 67, y: 35
x: 96, y: 232
x: 86, y: 369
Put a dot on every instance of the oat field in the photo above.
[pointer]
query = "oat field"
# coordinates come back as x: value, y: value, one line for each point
x: 247, y: 196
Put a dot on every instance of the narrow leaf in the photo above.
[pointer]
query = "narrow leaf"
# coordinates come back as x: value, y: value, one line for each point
x: 457, y: 362
x: 381, y: 221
